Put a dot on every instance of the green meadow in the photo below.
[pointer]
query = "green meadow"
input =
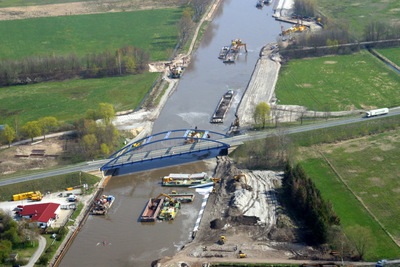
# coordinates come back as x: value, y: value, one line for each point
x: 152, y: 30
x: 69, y: 100
x: 334, y: 83
x: 370, y: 167
x: 12, y: 3
x: 356, y: 14
x: 393, y: 54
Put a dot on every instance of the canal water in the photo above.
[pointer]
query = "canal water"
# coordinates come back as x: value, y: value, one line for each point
x: 119, y: 239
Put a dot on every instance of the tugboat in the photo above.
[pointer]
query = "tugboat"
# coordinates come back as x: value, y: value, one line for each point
x: 223, y: 52
x: 260, y: 3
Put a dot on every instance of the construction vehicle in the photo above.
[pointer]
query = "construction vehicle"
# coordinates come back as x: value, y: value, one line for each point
x: 236, y: 44
x: 222, y: 240
x: 241, y: 254
x: 216, y: 180
x: 237, y: 177
x: 176, y: 72
x: 28, y: 195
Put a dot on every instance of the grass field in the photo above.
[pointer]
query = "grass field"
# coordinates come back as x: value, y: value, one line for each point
x: 151, y: 30
x: 393, y: 54
x: 69, y: 100
x: 11, y: 3
x: 52, y: 184
x: 356, y: 14
x: 369, y: 166
x: 358, y: 81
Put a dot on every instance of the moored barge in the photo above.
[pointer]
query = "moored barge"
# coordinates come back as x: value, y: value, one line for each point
x: 222, y: 108
x: 152, y: 210
x: 102, y: 205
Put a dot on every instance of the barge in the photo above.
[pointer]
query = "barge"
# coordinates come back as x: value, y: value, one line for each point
x: 182, y: 197
x: 102, y: 205
x: 222, y: 108
x: 178, y: 176
x: 184, y: 182
x: 229, y: 54
x: 152, y: 210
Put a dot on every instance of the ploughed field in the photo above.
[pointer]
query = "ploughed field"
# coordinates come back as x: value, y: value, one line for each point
x: 370, y: 167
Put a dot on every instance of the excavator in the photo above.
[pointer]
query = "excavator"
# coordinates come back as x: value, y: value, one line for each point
x: 222, y: 240
x: 237, y: 177
x: 215, y: 180
x: 236, y: 44
x: 241, y: 254
x: 171, y: 200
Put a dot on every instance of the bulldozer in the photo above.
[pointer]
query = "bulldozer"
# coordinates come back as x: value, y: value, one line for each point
x: 237, y: 177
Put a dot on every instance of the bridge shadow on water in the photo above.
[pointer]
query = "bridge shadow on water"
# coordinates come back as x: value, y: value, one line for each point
x: 165, y: 162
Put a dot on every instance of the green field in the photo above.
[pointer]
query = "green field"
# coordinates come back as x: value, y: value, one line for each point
x: 69, y: 100
x: 151, y: 30
x: 52, y: 184
x: 11, y: 3
x: 370, y: 167
x: 356, y: 14
x: 357, y: 81
x: 393, y: 54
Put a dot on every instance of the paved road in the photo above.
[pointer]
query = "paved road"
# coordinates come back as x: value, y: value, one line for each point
x: 38, y: 252
x: 233, y: 141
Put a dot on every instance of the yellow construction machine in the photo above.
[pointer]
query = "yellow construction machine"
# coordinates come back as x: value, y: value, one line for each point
x: 241, y: 254
x: 222, y: 240
x: 237, y: 43
x: 237, y: 177
x: 215, y: 180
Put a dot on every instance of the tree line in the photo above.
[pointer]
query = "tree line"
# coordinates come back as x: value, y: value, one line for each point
x: 306, y: 202
x: 96, y: 135
x: 34, y: 69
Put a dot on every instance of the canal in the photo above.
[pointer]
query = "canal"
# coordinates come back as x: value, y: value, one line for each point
x: 119, y: 239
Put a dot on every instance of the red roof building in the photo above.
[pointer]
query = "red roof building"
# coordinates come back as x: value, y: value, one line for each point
x: 44, y: 214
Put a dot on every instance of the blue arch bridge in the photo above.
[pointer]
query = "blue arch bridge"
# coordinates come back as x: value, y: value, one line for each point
x: 166, y: 145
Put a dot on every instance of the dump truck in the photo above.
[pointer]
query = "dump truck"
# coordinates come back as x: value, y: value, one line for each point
x: 377, y: 112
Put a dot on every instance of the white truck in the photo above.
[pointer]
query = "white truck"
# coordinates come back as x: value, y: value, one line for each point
x: 377, y: 112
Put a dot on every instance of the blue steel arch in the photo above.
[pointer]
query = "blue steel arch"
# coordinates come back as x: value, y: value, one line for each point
x: 147, y: 141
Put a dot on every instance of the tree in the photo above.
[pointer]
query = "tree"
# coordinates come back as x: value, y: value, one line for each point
x: 90, y: 144
x: 185, y: 25
x: 9, y: 134
x: 46, y: 124
x: 104, y: 149
x: 261, y: 113
x: 361, y: 237
x: 106, y: 112
x: 31, y: 129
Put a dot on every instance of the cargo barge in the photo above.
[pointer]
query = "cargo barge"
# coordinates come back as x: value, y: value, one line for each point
x: 229, y: 54
x: 184, y: 182
x: 222, y: 108
x: 182, y: 197
x: 102, y: 205
x: 152, y: 210
x: 178, y: 176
